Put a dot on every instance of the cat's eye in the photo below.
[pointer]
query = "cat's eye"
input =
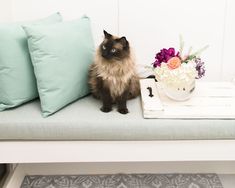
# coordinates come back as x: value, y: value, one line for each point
x: 103, y: 47
x: 113, y: 50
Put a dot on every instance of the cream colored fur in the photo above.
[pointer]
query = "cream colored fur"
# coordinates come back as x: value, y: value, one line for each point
x: 117, y: 75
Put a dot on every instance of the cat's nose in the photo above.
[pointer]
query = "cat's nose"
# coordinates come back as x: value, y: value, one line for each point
x: 105, y: 55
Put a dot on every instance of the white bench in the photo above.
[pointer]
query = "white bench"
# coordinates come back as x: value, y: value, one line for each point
x: 82, y: 135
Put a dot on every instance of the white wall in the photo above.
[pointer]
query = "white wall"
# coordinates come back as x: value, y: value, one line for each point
x: 104, y: 13
x: 228, y: 68
x: 149, y: 25
x: 5, y: 10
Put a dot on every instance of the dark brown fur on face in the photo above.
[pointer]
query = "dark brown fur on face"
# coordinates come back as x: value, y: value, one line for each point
x: 112, y: 77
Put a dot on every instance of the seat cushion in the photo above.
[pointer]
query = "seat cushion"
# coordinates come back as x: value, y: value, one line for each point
x: 83, y: 120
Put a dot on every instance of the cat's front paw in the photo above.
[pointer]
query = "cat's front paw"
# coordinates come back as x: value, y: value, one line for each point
x: 106, y: 109
x: 123, y: 110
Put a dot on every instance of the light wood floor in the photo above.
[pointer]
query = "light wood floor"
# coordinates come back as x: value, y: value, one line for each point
x: 228, y: 180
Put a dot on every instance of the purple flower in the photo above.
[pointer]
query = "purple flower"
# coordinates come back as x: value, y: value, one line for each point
x: 164, y: 55
x: 200, y: 67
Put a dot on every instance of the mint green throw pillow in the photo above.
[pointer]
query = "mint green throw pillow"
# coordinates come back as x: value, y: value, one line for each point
x: 61, y: 56
x: 17, y: 80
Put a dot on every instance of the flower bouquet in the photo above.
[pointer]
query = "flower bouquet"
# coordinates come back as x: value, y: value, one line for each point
x: 177, y: 72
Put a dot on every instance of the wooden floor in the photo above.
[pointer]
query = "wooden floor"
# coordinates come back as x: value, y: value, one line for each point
x: 228, y: 180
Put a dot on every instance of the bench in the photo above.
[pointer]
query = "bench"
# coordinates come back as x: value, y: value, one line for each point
x: 82, y: 133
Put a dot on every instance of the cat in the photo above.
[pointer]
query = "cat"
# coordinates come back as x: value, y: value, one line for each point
x: 112, y: 76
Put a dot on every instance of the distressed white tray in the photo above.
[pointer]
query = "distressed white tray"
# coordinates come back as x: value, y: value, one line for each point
x: 211, y: 100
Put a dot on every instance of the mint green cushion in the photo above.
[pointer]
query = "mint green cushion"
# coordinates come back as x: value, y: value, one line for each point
x: 83, y: 120
x: 17, y: 80
x: 61, y: 55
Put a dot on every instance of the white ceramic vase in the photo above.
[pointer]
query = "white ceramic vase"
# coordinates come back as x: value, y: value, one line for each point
x: 181, y: 93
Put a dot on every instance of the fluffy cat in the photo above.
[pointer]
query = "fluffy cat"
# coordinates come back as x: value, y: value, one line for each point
x: 112, y: 76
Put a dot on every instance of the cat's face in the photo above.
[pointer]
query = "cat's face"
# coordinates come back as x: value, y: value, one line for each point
x: 113, y: 48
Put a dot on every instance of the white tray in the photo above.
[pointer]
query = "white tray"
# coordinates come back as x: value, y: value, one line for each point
x: 211, y: 100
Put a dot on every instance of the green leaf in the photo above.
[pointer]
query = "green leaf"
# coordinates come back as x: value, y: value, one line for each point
x: 181, y: 45
x: 200, y: 51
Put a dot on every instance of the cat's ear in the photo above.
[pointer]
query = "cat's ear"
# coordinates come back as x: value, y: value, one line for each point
x: 123, y: 41
x: 107, y: 35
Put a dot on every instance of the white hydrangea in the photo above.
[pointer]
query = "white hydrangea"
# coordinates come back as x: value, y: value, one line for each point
x: 182, y: 76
